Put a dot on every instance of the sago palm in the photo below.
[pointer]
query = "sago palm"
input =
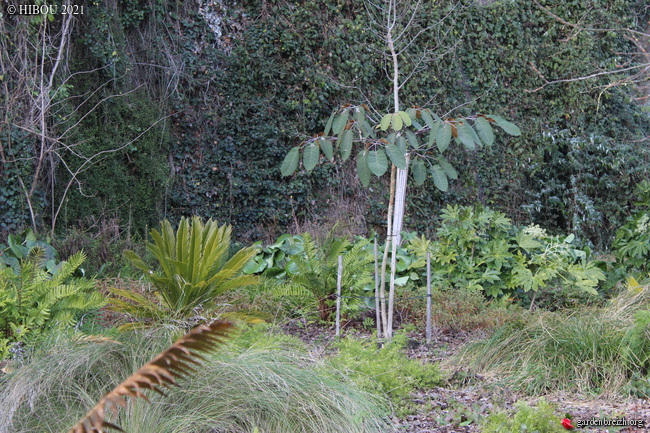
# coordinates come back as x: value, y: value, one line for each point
x: 195, y: 268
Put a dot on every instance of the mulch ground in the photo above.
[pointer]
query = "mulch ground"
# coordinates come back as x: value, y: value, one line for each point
x: 465, y: 398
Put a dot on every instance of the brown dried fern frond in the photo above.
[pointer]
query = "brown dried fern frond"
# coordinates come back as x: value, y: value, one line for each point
x: 163, y: 370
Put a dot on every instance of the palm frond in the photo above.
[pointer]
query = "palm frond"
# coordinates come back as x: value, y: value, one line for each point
x: 162, y: 371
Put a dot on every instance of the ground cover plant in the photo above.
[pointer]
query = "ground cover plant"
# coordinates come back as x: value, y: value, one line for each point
x: 384, y: 369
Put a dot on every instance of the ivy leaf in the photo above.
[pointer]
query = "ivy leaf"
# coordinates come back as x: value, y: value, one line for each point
x: 310, y: 156
x: 405, y: 118
x: 326, y: 147
x: 363, y: 171
x: 508, y: 127
x: 396, y: 122
x: 346, y: 144
x: 340, y: 121
x: 290, y: 162
x: 419, y: 171
x: 385, y: 122
x: 328, y: 126
x: 439, y: 178
x: 396, y: 156
x: 484, y: 131
x: 449, y: 170
x: 377, y: 162
x: 443, y: 137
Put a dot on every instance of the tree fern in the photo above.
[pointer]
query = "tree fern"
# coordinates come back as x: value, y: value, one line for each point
x: 313, y: 273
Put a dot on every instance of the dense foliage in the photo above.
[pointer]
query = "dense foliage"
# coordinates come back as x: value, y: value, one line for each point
x: 194, y: 107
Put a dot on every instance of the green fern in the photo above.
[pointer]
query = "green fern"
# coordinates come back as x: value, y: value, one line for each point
x: 35, y: 301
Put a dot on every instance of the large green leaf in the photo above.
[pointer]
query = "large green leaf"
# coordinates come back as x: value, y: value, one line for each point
x: 439, y: 178
x: 419, y: 171
x: 290, y: 163
x: 508, y: 127
x: 396, y: 122
x: 328, y: 126
x: 396, y: 156
x: 443, y: 137
x: 363, y: 171
x: 346, y: 144
x: 377, y: 162
x: 484, y: 131
x: 450, y: 171
x: 359, y: 113
x: 326, y: 147
x: 310, y: 156
x: 340, y: 121
x: 413, y: 140
x: 385, y: 122
x: 405, y: 118
x: 401, y: 143
x: 465, y: 136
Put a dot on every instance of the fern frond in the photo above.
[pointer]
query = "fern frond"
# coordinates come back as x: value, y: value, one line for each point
x: 292, y: 289
x: 162, y: 371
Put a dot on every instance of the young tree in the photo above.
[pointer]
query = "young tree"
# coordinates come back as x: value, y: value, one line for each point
x: 413, y: 141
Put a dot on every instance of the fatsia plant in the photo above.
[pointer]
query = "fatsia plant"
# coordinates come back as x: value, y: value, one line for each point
x: 162, y: 371
x: 313, y: 273
x: 34, y: 300
x: 195, y: 268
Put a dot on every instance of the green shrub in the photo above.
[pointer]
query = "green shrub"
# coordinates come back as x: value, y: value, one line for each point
x: 540, y: 419
x: 309, y: 273
x: 250, y: 384
x: 632, y: 243
x: 480, y: 249
x: 384, y: 370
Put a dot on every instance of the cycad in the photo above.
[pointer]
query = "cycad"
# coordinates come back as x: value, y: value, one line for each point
x: 195, y: 269
x: 314, y: 272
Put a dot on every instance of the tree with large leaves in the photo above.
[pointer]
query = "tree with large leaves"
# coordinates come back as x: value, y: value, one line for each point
x: 415, y: 138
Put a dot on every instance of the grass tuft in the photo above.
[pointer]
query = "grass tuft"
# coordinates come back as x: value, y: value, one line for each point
x: 265, y: 386
x: 588, y: 351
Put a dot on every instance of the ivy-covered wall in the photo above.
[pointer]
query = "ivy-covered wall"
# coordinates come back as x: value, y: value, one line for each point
x: 234, y: 85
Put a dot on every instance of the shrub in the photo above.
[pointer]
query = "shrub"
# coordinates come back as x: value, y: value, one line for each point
x: 384, y: 370
x: 250, y: 384
x: 311, y: 274
x: 632, y: 243
x: 480, y: 249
